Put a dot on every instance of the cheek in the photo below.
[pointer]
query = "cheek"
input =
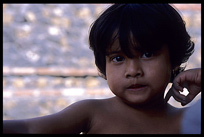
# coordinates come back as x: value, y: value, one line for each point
x: 112, y: 84
x: 113, y: 78
x: 159, y: 74
x: 110, y: 75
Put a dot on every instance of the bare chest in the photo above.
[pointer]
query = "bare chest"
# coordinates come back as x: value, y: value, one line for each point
x: 123, y: 124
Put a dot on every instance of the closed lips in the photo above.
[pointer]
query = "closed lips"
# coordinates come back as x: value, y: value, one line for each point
x: 136, y: 86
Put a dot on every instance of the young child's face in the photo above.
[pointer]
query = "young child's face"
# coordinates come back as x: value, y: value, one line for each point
x: 140, y: 79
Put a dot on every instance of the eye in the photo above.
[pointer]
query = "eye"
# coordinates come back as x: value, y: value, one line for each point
x: 147, y: 55
x: 118, y: 59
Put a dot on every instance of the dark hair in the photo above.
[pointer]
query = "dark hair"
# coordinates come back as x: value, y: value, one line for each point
x: 148, y: 25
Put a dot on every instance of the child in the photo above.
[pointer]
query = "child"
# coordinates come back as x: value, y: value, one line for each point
x: 138, y: 49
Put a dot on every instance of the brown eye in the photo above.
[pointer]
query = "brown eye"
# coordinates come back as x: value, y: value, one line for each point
x: 147, y: 55
x: 118, y: 59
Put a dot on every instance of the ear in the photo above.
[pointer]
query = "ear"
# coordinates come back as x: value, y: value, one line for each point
x: 174, y: 73
x: 176, y: 68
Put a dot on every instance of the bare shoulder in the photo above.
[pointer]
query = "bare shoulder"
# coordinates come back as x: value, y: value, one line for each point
x: 87, y: 105
x: 89, y: 102
x: 75, y: 118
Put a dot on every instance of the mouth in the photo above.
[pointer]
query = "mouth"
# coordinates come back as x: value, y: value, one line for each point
x: 136, y: 87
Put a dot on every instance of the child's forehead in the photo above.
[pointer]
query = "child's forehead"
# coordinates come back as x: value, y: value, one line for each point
x: 130, y: 42
x: 116, y: 47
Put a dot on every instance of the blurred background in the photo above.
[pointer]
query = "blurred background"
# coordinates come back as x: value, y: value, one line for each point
x: 47, y: 63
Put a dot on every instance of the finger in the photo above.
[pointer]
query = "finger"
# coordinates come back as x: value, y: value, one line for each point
x: 188, y: 99
x: 178, y: 96
x: 168, y: 95
x: 173, y: 92
x: 181, y: 100
x: 177, y: 86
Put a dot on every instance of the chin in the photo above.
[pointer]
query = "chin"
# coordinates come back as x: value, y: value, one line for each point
x: 136, y: 101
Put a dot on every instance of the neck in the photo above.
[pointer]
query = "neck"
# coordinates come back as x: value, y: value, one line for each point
x: 156, y: 105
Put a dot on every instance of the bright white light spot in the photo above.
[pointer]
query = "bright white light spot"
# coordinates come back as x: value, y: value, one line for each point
x: 32, y: 56
x: 7, y: 94
x: 26, y: 28
x: 73, y: 92
x: 58, y: 11
x: 185, y: 92
x: 53, y: 31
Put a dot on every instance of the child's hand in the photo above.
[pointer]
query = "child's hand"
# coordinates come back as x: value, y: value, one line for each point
x: 189, y: 79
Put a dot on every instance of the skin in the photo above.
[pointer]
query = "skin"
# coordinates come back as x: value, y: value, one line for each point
x: 139, y: 81
x: 138, y: 107
x: 190, y: 79
x: 139, y: 97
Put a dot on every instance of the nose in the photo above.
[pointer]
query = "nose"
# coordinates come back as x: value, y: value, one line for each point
x: 133, y: 69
